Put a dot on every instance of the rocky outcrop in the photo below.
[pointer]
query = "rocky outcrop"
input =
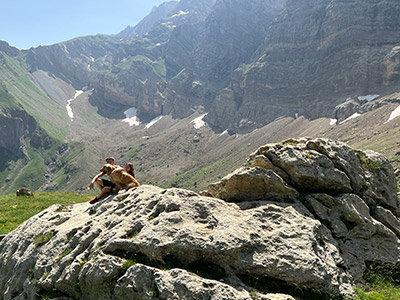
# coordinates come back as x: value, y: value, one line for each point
x: 24, y: 192
x: 309, y: 217
x: 18, y: 125
x: 8, y: 50
x: 353, y: 193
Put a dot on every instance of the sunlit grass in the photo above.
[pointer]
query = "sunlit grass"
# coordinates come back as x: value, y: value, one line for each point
x: 379, y: 287
x: 15, y: 210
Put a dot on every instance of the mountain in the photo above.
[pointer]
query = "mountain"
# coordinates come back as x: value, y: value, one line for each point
x: 303, y: 220
x: 186, y: 91
x: 232, y: 56
x: 144, y: 26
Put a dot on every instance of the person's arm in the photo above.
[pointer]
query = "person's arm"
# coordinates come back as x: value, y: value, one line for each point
x: 94, y: 179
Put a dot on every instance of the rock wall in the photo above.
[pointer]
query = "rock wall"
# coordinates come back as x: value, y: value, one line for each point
x: 315, y: 55
x: 304, y: 218
x: 16, y: 126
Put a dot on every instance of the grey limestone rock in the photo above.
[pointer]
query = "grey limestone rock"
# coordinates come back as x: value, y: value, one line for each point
x: 294, y: 230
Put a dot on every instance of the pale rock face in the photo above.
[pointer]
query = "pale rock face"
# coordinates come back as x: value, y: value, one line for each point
x: 151, y: 243
x: 247, y: 184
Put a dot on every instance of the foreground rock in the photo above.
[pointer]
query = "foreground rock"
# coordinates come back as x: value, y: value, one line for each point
x: 318, y: 214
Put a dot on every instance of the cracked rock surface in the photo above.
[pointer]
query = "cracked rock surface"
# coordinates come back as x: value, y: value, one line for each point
x: 303, y: 215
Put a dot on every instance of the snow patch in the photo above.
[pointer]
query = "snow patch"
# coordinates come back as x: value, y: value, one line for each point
x: 333, y: 122
x: 368, y: 97
x: 168, y: 24
x: 394, y: 114
x: 180, y: 13
x: 69, y: 108
x: 225, y: 132
x: 152, y: 122
x: 279, y: 118
x: 198, y: 122
x: 130, y: 117
x: 353, y: 116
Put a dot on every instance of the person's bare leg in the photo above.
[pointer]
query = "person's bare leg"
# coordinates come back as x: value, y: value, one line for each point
x: 104, y: 191
x: 99, y: 183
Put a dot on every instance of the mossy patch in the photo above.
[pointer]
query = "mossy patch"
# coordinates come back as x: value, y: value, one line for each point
x: 368, y: 163
x: 64, y: 254
x: 42, y: 239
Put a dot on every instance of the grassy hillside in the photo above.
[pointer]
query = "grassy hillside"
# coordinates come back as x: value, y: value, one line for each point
x: 20, y: 97
x: 21, y: 89
x: 15, y: 210
x: 7, y: 101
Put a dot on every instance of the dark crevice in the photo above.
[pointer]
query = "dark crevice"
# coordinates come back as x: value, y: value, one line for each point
x: 388, y: 271
x: 309, y: 207
x: 133, y: 231
x: 50, y: 294
x: 159, y: 209
x: 203, y: 268
x: 266, y: 285
x: 206, y: 270
x: 349, y: 224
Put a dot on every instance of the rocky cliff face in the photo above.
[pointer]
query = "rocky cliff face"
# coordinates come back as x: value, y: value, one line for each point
x: 316, y: 55
x: 18, y: 127
x: 307, y: 217
x: 210, y: 51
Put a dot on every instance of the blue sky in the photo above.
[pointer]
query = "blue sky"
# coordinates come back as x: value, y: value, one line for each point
x: 30, y: 23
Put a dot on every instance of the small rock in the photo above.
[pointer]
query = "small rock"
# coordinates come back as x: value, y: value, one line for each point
x: 24, y: 192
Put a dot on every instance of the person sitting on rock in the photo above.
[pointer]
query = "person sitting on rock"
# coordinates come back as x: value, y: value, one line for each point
x: 129, y: 169
x: 105, y: 186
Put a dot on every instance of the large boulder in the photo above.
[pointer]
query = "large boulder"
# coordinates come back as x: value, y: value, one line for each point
x: 292, y: 235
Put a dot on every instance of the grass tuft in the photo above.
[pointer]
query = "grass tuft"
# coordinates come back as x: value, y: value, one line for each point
x: 380, y: 286
x: 129, y: 263
x: 43, y: 238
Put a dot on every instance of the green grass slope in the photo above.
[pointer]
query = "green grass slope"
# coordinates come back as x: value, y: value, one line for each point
x: 18, y: 86
x: 15, y: 210
x: 20, y: 96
